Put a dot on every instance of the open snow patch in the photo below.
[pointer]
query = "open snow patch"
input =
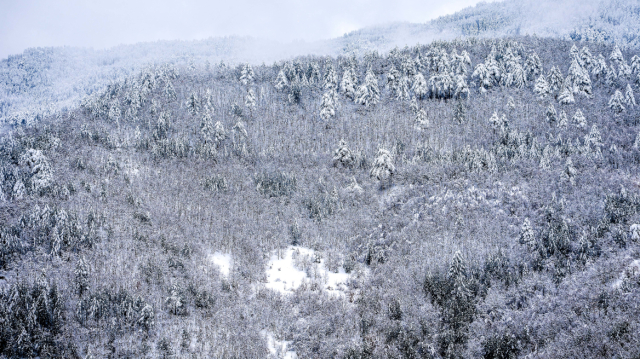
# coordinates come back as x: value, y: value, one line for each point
x: 223, y: 261
x: 278, y: 348
x: 288, y: 269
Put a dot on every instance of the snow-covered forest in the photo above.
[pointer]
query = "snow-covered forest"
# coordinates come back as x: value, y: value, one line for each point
x: 469, y: 198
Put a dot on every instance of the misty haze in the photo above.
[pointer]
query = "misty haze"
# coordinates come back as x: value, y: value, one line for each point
x: 345, y: 180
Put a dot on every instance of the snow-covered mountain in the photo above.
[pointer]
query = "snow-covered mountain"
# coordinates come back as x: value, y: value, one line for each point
x: 45, y: 79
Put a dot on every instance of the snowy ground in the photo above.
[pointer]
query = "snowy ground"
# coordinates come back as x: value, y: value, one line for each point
x: 296, y: 266
x: 278, y: 348
x: 222, y: 261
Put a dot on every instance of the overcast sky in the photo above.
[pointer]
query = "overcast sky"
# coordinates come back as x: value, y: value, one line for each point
x: 102, y: 24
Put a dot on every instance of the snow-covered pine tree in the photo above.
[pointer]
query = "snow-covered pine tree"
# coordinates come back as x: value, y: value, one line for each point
x: 281, y: 81
x: 458, y: 272
x: 511, y: 105
x: 219, y: 134
x: 579, y: 120
x: 193, y: 103
x: 81, y: 276
x: 551, y: 114
x: 368, y: 94
x: 246, y: 74
x: 413, y: 105
x: 484, y: 77
x: 343, y: 156
x: 313, y: 73
x: 624, y: 71
x: 616, y: 55
x: 41, y: 171
x: 250, y: 100
x: 403, y: 89
x: 498, y: 123
x: 610, y: 77
x: 599, y: 67
x: 393, y: 79
x: 462, y: 89
x: 574, y: 53
x: 422, y: 122
x: 629, y: 97
x: 542, y: 88
x: 516, y: 77
x: 579, y: 79
x: 616, y: 102
x: 327, y: 108
x: 565, y: 97
x: 460, y: 111
x: 348, y: 85
x: 564, y: 121
x: 586, y: 58
x: 527, y: 235
x: 555, y: 79
x: 569, y: 172
x: 419, y: 87
x: 330, y: 78
x: 635, y: 64
x: 169, y: 91
x: 533, y: 66
x: 19, y: 190
x: 383, y: 168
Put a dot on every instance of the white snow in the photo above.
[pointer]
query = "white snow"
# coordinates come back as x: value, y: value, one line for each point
x: 631, y: 271
x: 278, y: 348
x: 223, y: 261
x: 288, y: 269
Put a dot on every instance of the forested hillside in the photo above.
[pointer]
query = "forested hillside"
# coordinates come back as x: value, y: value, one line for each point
x: 42, y: 81
x: 474, y: 198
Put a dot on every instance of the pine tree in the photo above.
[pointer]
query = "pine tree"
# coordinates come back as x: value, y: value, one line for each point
x: 616, y: 55
x: 629, y: 97
x: 219, y: 134
x: 616, y: 102
x: 460, y: 111
x: 250, y: 100
x: 551, y: 114
x: 327, y: 108
x: 579, y: 79
x: 393, y: 80
x: 419, y: 87
x: 343, y: 156
x: 599, y: 67
x: 574, y: 53
x: 313, y: 73
x: 517, y: 77
x: 610, y: 77
x: 484, y: 77
x: 422, y: 122
x: 368, y: 94
x: 533, y: 66
x: 19, y: 190
x: 498, y: 123
x: 542, y: 88
x: 383, y: 168
x: 565, y: 97
x: 462, y: 89
x: 246, y: 74
x: 193, y: 103
x: 624, y: 71
x: 564, y: 121
x: 348, y: 85
x: 579, y: 120
x: 527, y: 235
x: 586, y: 58
x: 635, y: 64
x: 555, y: 79
x: 81, y: 277
x: 41, y: 171
x: 569, y: 172
x: 403, y: 89
x: 281, y: 81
